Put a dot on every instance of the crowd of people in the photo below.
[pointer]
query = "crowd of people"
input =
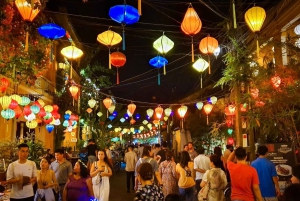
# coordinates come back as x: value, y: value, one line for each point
x: 153, y: 174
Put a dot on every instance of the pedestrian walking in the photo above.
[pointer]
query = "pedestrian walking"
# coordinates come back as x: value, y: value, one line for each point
x: 130, y: 159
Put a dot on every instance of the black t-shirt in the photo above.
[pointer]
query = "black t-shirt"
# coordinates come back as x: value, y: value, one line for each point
x: 91, y: 149
x: 162, y: 154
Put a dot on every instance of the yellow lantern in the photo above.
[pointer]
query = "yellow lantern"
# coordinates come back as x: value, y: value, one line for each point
x: 166, y: 118
x: 182, y: 111
x: 48, y: 108
x: 99, y: 114
x: 150, y: 112
x: 16, y: 98
x: 31, y: 124
x: 71, y: 52
x: 111, y: 109
x: 163, y: 45
x: 255, y: 18
x: 41, y: 102
x: 92, y: 103
x: 5, y: 102
x: 168, y: 112
x: 109, y: 38
x: 200, y: 65
x: 68, y: 112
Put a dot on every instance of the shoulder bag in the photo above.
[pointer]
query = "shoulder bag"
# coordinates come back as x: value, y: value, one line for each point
x: 202, y: 195
x: 96, y: 179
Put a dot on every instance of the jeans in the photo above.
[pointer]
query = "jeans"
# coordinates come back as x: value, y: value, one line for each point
x: 198, y: 188
x: 187, y: 193
x: 130, y: 175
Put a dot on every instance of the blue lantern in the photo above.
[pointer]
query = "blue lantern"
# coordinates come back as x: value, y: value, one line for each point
x: 158, y: 62
x: 53, y: 32
x: 126, y: 116
x: 67, y: 116
x: 49, y: 128
x: 124, y: 14
x: 111, y: 117
x: 137, y: 116
x: 115, y: 113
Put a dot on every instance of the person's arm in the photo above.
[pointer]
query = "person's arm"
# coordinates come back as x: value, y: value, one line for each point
x: 90, y: 187
x: 204, y: 179
x: 94, y: 172
x: 158, y: 177
x: 257, y: 194
x: 10, y: 177
x: 106, y: 174
x: 231, y: 156
x: 275, y: 180
x: 65, y: 192
x: 125, y: 158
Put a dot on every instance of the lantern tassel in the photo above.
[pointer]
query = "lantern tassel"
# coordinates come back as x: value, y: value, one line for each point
x: 165, y: 69
x: 109, y: 60
x: 51, y: 53
x: 26, y: 41
x: 201, y: 81
x: 209, y: 71
x: 140, y: 7
x: 123, y: 44
x: 234, y: 15
x: 207, y: 119
x: 257, y: 48
x: 193, y: 59
x: 158, y: 79
x: 118, y: 81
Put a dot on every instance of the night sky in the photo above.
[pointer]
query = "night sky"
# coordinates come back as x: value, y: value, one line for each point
x: 138, y: 79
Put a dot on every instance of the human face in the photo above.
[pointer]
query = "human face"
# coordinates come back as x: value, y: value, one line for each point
x: 23, y: 153
x: 186, y: 148
x: 295, y: 180
x: 190, y: 146
x: 76, y: 167
x: 59, y: 156
x: 44, y: 164
x: 101, y: 155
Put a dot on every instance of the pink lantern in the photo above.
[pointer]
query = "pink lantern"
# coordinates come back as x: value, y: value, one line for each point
x: 254, y: 93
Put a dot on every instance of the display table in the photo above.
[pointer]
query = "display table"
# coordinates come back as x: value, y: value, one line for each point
x: 5, y: 196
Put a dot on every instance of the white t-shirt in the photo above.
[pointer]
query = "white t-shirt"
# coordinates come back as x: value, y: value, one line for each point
x: 201, y: 162
x: 17, y: 170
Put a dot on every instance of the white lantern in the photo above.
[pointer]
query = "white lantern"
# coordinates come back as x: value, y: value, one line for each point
x: 217, y: 51
x: 297, y: 29
x: 99, y: 114
x: 213, y: 100
x: 199, y: 105
x: 30, y: 117
x: 122, y: 120
x: 168, y: 112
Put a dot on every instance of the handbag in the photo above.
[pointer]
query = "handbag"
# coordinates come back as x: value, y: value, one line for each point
x: 96, y: 179
x: 202, y: 195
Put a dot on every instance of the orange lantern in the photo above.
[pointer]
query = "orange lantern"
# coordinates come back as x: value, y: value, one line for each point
x: 243, y: 107
x: 159, y: 111
x: 28, y: 12
x: 109, y: 38
x: 207, y: 46
x: 207, y: 109
x: 73, y: 90
x: 276, y: 81
x: 4, y: 84
x: 132, y: 121
x: 118, y: 59
x: 107, y: 102
x: 89, y: 110
x: 18, y: 112
x: 191, y: 25
x: 131, y: 107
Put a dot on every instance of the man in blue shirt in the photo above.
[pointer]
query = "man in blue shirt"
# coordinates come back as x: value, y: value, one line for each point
x: 268, y: 180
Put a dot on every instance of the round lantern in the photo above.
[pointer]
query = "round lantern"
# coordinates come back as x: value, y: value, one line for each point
x: 131, y: 107
x: 35, y: 109
x: 276, y: 81
x: 13, y: 104
x: 207, y: 46
x: 4, y: 84
x: 24, y: 101
x: 49, y: 128
x: 199, y: 105
x: 71, y: 52
x: 26, y: 110
x: 207, y: 109
x: 48, y: 108
x: 159, y: 111
x: 42, y: 112
x: 107, y: 102
x: 5, y: 102
x: 16, y: 98
x: 230, y: 141
x: 55, y: 108
x: 118, y: 59
x: 73, y: 90
x: 150, y: 112
x: 109, y: 38
x: 191, y: 25
x: 297, y: 30
x: 18, y: 112
x: 8, y: 114
x: 92, y: 103
x: 31, y: 124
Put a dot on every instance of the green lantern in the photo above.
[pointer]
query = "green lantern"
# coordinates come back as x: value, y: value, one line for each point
x: 24, y: 101
x: 230, y: 131
x: 8, y: 114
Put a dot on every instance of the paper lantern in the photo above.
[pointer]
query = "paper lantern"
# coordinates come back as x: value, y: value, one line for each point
x: 99, y: 114
x: 158, y: 62
x: 109, y: 38
x: 199, y: 105
x: 217, y: 52
x: 163, y: 45
x: 42, y: 103
x: 191, y: 25
x: 8, y: 114
x: 207, y: 46
x: 159, y: 111
x: 55, y: 115
x: 122, y: 120
x: 182, y: 111
x: 49, y: 128
x: 145, y: 122
x: 4, y: 84
x: 230, y: 131
x: 5, y: 101
x: 200, y: 65
x: 107, y: 102
x: 31, y: 124
x: 207, y: 109
x: 111, y: 109
x: 16, y: 98
x: 24, y: 101
x: 213, y: 100
x: 118, y: 59
x: 48, y: 108
x: 168, y: 112
x: 35, y: 109
x: 42, y: 113
x: 131, y: 107
x: 55, y: 108
x: 243, y: 107
x: 125, y: 15
x: 73, y: 90
x: 71, y: 52
x: 26, y: 110
x: 132, y: 121
x: 297, y: 29
x: 255, y: 18
x: 92, y: 103
x: 89, y: 110
x: 13, y: 104
x: 36, y: 103
x: 276, y: 81
x: 18, y: 112
x: 230, y: 141
x: 28, y: 12
x: 149, y: 113
x: 254, y: 93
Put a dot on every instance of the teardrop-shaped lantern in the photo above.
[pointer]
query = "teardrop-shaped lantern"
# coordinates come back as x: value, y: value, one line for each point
x: 200, y: 65
x: 92, y: 102
x: 107, y: 102
x: 207, y: 109
x: 111, y: 109
x: 199, y: 105
x: 73, y: 90
x: 182, y: 111
x: 168, y: 112
x: 131, y: 107
x: 159, y: 111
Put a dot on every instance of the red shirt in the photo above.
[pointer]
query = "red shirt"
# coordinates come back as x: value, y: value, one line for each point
x: 243, y: 177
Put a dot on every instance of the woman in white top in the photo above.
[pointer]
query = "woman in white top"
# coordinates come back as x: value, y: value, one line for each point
x: 101, y: 168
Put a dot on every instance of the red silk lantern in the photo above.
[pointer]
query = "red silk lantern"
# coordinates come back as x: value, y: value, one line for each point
x: 42, y: 113
x: 107, y: 102
x: 159, y: 111
x: 276, y: 81
x: 55, y: 115
x: 259, y: 103
x: 243, y: 107
x: 118, y: 59
x: 230, y: 141
x: 228, y: 122
x: 254, y: 93
x: 4, y: 84
x: 18, y: 112
x: 207, y: 46
x: 26, y: 110
x: 191, y: 25
x: 131, y: 107
x: 48, y: 121
x: 73, y: 90
x: 207, y: 109
x: 55, y: 108
x: 13, y: 104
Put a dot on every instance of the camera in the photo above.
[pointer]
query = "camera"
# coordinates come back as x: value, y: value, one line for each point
x: 45, y: 183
